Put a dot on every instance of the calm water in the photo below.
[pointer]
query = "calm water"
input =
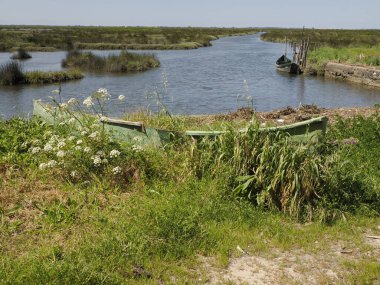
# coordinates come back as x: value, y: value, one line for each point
x: 207, y: 80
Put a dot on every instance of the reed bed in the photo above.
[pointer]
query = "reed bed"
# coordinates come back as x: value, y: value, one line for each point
x: 124, y: 62
x: 11, y: 73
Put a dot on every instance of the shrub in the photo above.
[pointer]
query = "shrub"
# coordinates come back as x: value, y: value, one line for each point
x: 21, y: 54
x: 11, y: 74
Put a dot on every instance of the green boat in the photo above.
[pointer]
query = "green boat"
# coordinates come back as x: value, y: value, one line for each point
x: 139, y: 134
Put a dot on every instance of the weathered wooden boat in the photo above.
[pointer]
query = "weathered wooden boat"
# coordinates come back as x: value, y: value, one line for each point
x: 283, y: 63
x: 138, y: 134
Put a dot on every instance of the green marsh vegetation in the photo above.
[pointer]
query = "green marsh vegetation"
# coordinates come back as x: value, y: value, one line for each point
x: 11, y: 73
x: 124, y: 62
x: 77, y: 206
x: 48, y: 38
x: 21, y: 54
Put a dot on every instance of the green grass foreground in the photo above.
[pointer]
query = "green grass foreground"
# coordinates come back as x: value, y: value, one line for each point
x: 78, y: 207
x: 49, y: 38
x: 124, y: 62
x: 12, y: 74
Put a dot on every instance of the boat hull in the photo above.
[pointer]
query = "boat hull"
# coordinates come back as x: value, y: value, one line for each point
x: 138, y: 134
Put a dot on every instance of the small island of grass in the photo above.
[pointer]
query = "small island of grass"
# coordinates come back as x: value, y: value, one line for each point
x: 12, y: 74
x: 124, y: 62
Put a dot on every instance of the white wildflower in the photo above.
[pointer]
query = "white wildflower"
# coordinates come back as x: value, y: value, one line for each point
x: 53, y: 139
x: 97, y: 160
x: 71, y: 121
x: 51, y: 163
x: 63, y: 105
x: 94, y: 135
x: 61, y: 144
x: 62, y: 123
x: 100, y: 153
x: 24, y: 144
x: 78, y: 147
x: 88, y: 102
x: 137, y: 148
x: 48, y: 147
x: 36, y: 142
x: 87, y: 149
x: 73, y: 173
x: 61, y: 154
x: 121, y: 97
x: 114, y: 153
x: 79, y: 142
x: 116, y: 170
x: 83, y: 133
x: 71, y: 138
x: 35, y: 150
x: 102, y: 93
x: 43, y: 166
x: 72, y: 101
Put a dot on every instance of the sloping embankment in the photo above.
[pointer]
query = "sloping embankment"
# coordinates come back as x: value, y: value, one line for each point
x: 364, y: 75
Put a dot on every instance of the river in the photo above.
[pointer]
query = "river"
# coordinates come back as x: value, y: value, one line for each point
x: 234, y: 72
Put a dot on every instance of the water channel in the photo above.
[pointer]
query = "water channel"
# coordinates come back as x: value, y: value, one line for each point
x: 234, y: 72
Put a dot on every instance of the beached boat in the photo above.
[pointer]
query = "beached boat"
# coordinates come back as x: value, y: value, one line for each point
x: 139, y: 134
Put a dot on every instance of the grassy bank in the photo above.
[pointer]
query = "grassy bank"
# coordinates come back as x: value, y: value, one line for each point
x: 318, y: 59
x: 12, y: 74
x: 62, y: 38
x: 124, y: 62
x: 359, y: 47
x: 78, y: 207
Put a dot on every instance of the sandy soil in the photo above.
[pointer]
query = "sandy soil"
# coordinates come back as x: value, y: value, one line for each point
x: 292, y: 267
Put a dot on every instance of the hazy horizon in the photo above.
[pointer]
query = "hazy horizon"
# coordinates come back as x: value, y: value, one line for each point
x: 339, y: 14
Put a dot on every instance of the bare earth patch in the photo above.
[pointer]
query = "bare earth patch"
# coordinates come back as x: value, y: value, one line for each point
x: 293, y: 267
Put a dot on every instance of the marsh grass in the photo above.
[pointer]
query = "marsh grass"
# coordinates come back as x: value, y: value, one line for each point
x: 53, y: 38
x: 46, y: 77
x: 326, y: 37
x: 161, y: 120
x: 11, y: 73
x: 356, y: 55
x: 124, y: 62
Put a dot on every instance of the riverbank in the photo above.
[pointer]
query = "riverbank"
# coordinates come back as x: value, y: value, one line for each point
x: 52, y: 38
x: 77, y: 207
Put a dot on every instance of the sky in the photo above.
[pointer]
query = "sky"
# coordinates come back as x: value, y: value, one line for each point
x: 341, y: 14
